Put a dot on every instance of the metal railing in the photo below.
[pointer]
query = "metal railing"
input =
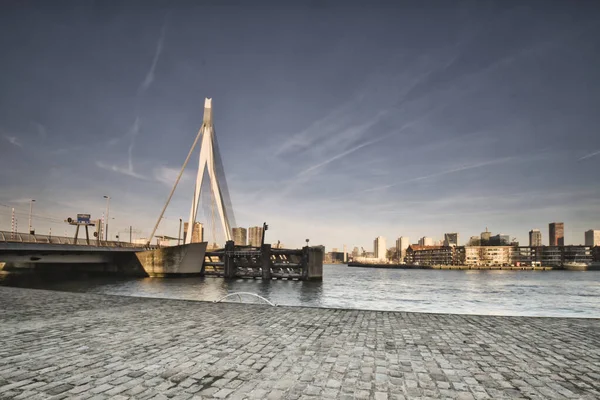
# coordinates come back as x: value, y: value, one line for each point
x: 15, y: 237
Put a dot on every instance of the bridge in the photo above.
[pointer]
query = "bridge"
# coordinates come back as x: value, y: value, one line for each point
x: 231, y: 261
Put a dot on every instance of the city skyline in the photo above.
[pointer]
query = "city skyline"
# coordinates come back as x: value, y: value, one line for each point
x: 477, y: 112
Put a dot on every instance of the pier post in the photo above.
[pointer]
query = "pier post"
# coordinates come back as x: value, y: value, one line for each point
x: 313, y: 263
x: 229, y: 261
x: 265, y: 257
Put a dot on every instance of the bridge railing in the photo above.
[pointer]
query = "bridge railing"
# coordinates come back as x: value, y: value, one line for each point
x: 16, y: 237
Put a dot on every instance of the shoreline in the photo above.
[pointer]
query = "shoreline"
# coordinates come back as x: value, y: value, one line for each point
x: 456, y: 267
x: 71, y: 344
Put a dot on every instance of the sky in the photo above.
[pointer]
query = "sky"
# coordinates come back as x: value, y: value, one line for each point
x: 336, y: 121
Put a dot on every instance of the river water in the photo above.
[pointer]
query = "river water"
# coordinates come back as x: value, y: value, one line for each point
x: 527, y: 293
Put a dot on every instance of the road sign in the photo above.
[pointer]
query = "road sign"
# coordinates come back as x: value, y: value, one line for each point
x: 83, y: 218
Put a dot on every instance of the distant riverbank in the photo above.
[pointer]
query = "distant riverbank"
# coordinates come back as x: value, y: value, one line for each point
x: 455, y: 267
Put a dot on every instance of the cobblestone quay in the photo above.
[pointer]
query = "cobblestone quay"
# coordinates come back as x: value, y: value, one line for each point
x: 71, y: 345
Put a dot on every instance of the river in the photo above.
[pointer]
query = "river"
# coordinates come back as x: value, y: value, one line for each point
x: 526, y: 293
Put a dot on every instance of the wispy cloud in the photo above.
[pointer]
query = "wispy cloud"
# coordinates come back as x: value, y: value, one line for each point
x: 341, y: 155
x: 120, y: 170
x: 133, y: 132
x: 13, y: 140
x: 144, y: 86
x: 149, y: 79
x: 168, y: 175
x: 41, y: 129
x: 441, y: 173
x: 595, y: 153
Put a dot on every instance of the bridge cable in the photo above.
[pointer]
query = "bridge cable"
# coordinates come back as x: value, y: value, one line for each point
x: 175, y: 185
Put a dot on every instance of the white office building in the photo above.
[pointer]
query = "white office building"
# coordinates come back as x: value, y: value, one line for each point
x: 426, y: 241
x: 379, y: 249
x: 402, y: 244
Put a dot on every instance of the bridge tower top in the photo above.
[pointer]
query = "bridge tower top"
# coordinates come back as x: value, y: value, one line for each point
x: 207, y: 111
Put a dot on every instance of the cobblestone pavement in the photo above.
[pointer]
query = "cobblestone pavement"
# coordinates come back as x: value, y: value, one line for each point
x: 71, y: 345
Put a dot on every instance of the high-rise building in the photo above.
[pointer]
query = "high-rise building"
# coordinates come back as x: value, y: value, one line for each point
x: 592, y: 237
x: 197, y: 233
x: 426, y: 241
x: 499, y: 240
x: 345, y: 253
x: 450, y: 239
x: 535, y: 238
x: 379, y: 248
x: 255, y: 236
x: 402, y: 244
x: 485, y: 237
x: 557, y: 233
x: 239, y: 236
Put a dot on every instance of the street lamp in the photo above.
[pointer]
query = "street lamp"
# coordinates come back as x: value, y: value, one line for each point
x: 30, y: 215
x: 179, y: 236
x: 106, y: 222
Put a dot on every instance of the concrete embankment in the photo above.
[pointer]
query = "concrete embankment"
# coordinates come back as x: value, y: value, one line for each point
x: 84, y: 345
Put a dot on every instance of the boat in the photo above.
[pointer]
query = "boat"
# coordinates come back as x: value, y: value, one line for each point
x: 582, y: 266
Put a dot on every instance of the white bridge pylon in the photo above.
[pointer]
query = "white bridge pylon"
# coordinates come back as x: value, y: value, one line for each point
x: 207, y: 163
x: 210, y: 162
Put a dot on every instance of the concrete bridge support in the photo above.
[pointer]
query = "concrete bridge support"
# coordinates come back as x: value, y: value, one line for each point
x: 265, y: 258
x: 313, y: 265
x: 187, y: 259
x: 230, y: 267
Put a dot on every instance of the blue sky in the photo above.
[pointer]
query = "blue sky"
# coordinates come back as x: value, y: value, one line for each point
x: 336, y: 121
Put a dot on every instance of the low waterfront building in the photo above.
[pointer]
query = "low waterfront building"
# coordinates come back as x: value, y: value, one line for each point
x: 434, y: 255
x: 488, y: 255
x: 369, y: 259
x: 596, y: 253
x: 531, y: 256
x: 551, y: 256
x: 576, y: 254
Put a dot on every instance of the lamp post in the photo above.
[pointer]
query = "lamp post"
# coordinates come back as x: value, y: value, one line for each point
x: 265, y: 228
x: 106, y: 221
x: 179, y: 236
x: 30, y: 215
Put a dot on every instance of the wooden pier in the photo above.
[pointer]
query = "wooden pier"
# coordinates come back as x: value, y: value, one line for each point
x: 264, y: 262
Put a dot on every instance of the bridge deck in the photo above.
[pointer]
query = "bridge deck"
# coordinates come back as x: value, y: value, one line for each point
x: 46, y: 247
